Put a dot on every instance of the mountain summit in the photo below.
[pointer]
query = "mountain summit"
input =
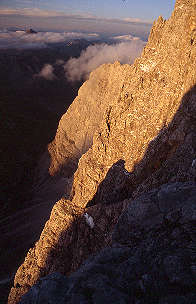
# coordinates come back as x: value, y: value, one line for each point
x: 31, y: 31
x: 130, y: 138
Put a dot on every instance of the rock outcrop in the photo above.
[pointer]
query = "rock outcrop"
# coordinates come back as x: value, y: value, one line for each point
x: 77, y: 126
x: 152, y: 258
x: 31, y: 31
x: 144, y: 137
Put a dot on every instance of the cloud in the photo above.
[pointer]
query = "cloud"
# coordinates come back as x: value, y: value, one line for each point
x: 61, y: 20
x: 132, y: 19
x: 20, y: 39
x: 30, y: 12
x: 124, y: 52
x: 136, y: 20
x: 59, y: 62
x: 47, y: 72
x: 36, y: 12
x: 125, y: 38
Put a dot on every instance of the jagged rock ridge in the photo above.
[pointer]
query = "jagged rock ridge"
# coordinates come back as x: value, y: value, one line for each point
x: 151, y: 260
x: 144, y: 137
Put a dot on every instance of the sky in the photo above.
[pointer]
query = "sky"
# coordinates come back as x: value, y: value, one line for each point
x: 142, y: 9
x: 118, y: 16
x: 125, y: 22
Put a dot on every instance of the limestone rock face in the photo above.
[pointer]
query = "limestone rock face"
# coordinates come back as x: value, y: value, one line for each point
x: 150, y: 126
x: 144, y: 136
x: 151, y: 260
x: 77, y: 126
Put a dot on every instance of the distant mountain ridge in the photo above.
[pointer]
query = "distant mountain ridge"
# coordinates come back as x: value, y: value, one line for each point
x: 30, y: 31
x: 130, y: 138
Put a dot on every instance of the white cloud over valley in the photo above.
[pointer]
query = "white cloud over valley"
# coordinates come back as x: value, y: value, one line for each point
x: 125, y: 52
x: 20, y: 39
x: 47, y: 72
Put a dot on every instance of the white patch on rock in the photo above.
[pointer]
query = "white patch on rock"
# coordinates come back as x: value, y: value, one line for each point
x: 89, y: 220
x: 181, y: 6
x: 147, y: 67
x: 193, y: 163
x: 126, y: 172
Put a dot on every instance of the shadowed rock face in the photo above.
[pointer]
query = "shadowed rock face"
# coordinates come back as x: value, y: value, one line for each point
x: 144, y: 137
x: 151, y: 259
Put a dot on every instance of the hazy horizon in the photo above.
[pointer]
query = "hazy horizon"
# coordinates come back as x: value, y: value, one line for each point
x: 76, y: 24
x: 126, y: 23
x: 113, y: 9
x: 119, y: 17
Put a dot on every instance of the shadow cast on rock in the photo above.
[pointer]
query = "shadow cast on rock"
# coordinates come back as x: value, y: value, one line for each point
x: 169, y: 158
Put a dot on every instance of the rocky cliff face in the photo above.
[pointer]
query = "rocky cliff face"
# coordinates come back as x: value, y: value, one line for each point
x: 151, y: 260
x: 77, y: 127
x: 137, y: 126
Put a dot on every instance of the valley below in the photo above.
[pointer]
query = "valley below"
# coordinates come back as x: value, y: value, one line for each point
x: 31, y: 108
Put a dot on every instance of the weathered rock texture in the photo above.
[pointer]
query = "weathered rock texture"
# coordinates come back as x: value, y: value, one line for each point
x: 78, y: 125
x: 144, y: 124
x: 152, y: 258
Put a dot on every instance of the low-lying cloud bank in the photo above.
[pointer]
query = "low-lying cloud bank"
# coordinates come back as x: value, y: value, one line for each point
x: 20, y: 39
x: 125, y: 38
x: 47, y: 72
x: 125, y: 52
